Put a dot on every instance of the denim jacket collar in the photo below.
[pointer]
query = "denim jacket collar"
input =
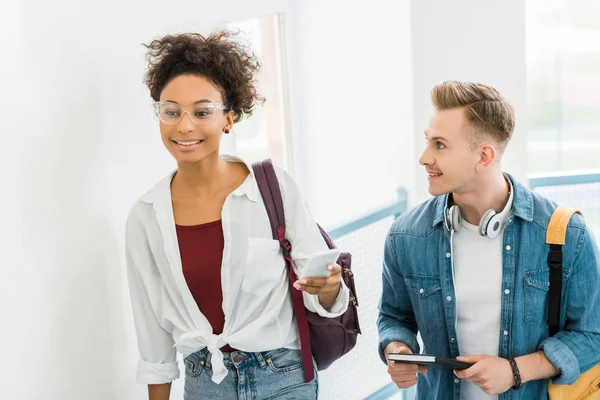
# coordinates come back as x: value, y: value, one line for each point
x: 522, y: 203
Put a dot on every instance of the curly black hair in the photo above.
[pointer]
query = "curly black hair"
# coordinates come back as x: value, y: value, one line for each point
x: 226, y: 63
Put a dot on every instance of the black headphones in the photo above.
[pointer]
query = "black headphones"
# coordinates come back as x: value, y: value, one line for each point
x: 491, y: 223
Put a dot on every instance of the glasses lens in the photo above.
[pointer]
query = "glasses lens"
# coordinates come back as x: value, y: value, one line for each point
x: 203, y: 113
x: 169, y: 113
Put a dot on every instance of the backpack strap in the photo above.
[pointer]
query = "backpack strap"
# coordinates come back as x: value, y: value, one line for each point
x: 268, y: 185
x: 555, y: 237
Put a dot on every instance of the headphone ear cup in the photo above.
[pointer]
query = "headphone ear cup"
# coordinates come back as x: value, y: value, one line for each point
x: 447, y: 220
x: 448, y: 216
x: 490, y: 224
x: 455, y: 218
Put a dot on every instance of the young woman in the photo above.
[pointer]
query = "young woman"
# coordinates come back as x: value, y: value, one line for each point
x: 206, y: 277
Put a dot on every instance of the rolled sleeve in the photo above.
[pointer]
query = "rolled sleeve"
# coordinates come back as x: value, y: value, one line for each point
x: 561, y: 356
x: 339, y: 307
x: 156, y: 373
x: 158, y: 357
x: 397, y: 334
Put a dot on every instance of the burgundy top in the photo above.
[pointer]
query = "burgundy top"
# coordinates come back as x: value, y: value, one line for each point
x: 201, y: 250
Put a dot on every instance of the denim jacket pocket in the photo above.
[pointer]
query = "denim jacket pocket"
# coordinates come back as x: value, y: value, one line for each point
x: 426, y: 296
x: 536, y: 285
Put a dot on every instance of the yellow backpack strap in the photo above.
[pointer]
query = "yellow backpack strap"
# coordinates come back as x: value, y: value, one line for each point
x: 555, y: 237
x: 557, y: 228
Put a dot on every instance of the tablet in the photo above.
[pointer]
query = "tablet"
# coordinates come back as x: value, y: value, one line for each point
x: 316, y: 267
x: 429, y: 361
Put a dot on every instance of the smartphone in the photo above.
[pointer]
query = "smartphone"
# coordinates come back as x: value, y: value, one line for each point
x: 316, y: 267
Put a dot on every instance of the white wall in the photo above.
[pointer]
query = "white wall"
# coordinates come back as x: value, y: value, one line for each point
x: 79, y: 146
x: 350, y: 68
x: 469, y: 40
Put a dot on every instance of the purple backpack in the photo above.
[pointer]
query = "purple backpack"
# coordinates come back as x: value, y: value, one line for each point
x: 327, y: 338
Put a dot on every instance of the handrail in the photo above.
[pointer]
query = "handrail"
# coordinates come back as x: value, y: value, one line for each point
x: 564, y: 178
x: 394, y: 209
x: 391, y: 389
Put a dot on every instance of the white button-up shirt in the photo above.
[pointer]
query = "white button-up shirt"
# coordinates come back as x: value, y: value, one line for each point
x: 256, y: 295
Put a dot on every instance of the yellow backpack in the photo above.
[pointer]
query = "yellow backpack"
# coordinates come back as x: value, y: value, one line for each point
x: 587, y: 386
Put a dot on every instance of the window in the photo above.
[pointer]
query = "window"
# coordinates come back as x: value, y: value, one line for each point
x: 266, y: 133
x: 563, y: 55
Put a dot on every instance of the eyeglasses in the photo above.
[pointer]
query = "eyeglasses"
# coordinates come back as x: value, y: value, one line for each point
x: 200, y: 113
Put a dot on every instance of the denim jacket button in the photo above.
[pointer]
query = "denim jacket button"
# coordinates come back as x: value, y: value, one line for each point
x: 505, y: 333
x: 506, y: 291
x: 448, y: 255
x: 449, y: 298
x: 508, y: 248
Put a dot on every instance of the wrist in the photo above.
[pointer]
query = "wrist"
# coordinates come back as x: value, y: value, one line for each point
x: 515, y: 373
x: 327, y: 300
x: 330, y: 297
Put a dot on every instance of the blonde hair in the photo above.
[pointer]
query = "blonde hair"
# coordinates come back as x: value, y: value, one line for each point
x: 485, y: 109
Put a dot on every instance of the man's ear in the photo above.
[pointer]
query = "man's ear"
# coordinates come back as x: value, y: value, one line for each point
x: 487, y: 155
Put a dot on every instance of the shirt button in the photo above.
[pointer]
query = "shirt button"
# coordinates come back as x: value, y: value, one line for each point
x: 448, y: 255
x: 508, y: 248
x: 456, y: 380
x: 421, y: 291
x: 449, y: 298
x: 506, y: 291
x: 451, y: 340
x: 505, y: 333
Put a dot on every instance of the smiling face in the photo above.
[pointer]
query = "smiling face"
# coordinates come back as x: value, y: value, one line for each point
x: 450, y: 157
x: 191, y: 141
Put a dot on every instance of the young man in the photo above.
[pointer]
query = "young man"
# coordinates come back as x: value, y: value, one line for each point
x: 468, y: 269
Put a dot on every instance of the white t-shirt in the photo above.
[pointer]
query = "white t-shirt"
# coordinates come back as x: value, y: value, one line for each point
x: 478, y: 292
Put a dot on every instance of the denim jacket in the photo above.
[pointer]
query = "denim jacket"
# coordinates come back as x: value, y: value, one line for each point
x: 418, y: 294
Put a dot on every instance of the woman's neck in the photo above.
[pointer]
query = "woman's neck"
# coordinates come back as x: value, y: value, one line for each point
x: 202, y: 178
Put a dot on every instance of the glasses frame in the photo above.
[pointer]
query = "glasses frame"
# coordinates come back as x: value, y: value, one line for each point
x: 189, y: 110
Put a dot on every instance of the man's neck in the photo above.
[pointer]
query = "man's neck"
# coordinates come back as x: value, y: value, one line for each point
x: 491, y: 192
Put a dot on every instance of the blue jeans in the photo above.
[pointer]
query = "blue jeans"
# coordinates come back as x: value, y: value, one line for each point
x: 274, y: 374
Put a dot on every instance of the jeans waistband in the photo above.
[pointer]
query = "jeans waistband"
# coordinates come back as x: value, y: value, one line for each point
x: 237, y: 358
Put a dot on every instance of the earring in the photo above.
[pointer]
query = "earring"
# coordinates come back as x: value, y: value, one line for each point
x: 226, y: 131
